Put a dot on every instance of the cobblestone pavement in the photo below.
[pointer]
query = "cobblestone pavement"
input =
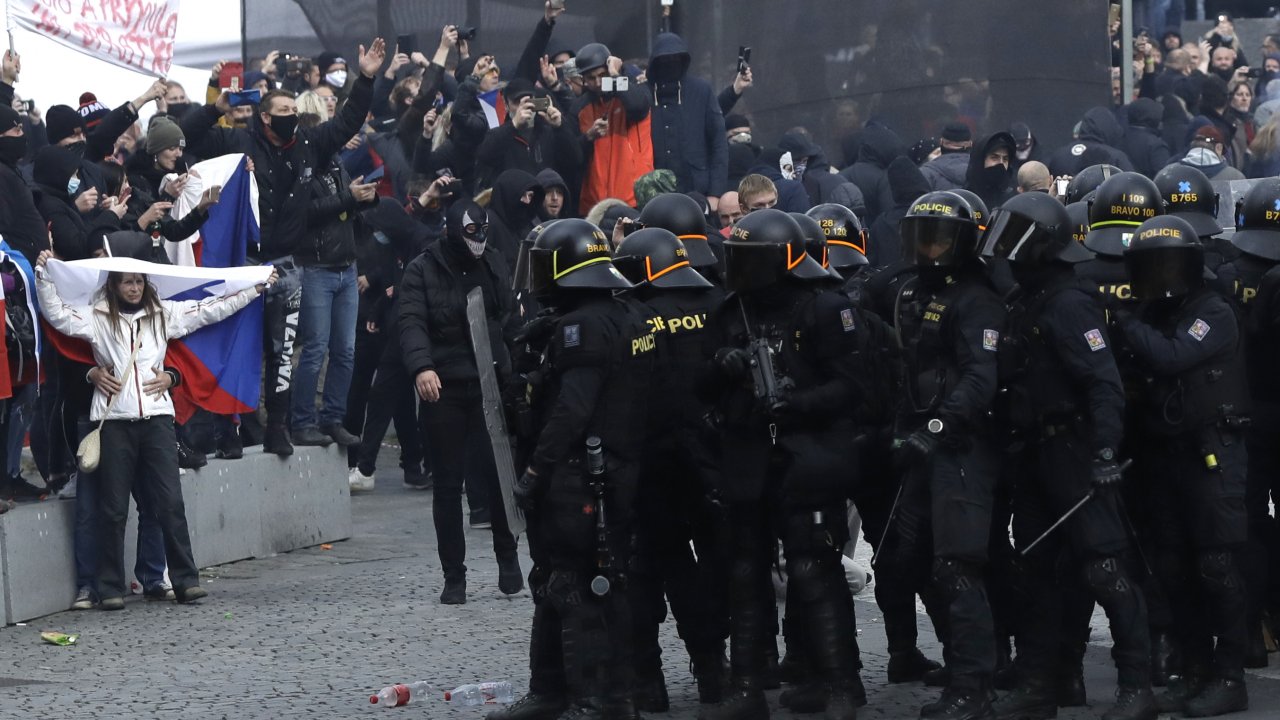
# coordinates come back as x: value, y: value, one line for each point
x: 313, y: 632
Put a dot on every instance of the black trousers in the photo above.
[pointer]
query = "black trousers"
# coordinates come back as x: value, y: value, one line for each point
x: 942, y: 531
x: 1091, y: 550
x: 382, y: 392
x: 453, y: 428
x: 1199, y: 524
x: 141, y: 457
x: 280, y: 332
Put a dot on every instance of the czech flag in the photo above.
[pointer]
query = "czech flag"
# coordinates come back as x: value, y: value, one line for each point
x: 233, y: 223
x: 27, y: 277
x: 494, y: 106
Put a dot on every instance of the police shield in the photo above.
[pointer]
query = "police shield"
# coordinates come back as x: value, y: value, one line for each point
x: 494, y: 420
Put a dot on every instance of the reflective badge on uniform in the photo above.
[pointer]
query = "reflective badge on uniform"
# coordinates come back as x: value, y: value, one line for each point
x: 1094, y: 338
x: 846, y: 319
x: 990, y: 340
x: 1126, y: 239
x: 572, y: 336
x: 1198, y: 329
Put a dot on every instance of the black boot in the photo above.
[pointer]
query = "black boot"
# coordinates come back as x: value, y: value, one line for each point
x: 1164, y: 658
x: 708, y: 669
x: 804, y: 698
x: 1033, y: 699
x: 772, y: 678
x: 1218, y: 697
x: 1255, y: 647
x: 229, y: 445
x: 190, y: 459
x: 740, y: 703
x: 532, y: 707
x: 1070, y: 690
x: 842, y: 702
x: 1133, y: 704
x: 1180, y: 690
x: 651, y: 693
x: 960, y: 704
x: 276, y: 441
x: 1006, y: 674
x: 911, y: 666
x: 510, y: 576
x: 938, y: 677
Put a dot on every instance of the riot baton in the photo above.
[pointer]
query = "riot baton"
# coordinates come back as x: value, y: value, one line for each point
x: 884, y: 534
x: 1093, y: 492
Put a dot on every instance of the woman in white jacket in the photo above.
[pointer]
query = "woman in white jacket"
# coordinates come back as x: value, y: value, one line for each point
x: 138, y: 440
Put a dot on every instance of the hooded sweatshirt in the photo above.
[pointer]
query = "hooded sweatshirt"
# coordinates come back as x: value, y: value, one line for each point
x: 510, y: 220
x: 994, y: 184
x: 884, y: 246
x: 687, y: 127
x: 1143, y: 143
x: 1211, y: 164
x: 1099, y: 142
x: 71, y: 237
x: 879, y: 147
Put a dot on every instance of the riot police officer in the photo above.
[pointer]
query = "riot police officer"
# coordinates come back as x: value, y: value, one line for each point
x: 595, y: 380
x: 1068, y: 405
x: 1188, y: 194
x: 680, y: 214
x: 1085, y: 182
x: 846, y: 240
x: 785, y: 384
x: 1186, y: 337
x: 678, y: 476
x: 951, y: 334
x: 1122, y: 203
x: 1253, y: 281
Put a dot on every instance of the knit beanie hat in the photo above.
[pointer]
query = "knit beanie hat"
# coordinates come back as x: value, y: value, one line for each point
x: 163, y: 134
x: 91, y: 110
x: 61, y: 122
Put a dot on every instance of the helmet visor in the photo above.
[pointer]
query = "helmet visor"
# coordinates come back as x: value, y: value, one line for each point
x: 934, y: 240
x: 753, y: 266
x: 1165, y: 272
x: 1016, y: 238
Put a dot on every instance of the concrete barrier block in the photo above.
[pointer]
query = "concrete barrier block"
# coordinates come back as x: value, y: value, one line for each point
x: 224, y: 509
x: 39, y: 565
x: 307, y: 500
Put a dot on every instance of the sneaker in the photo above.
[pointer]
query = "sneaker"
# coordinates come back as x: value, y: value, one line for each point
x: 340, y: 435
x: 480, y: 519
x: 415, y: 480
x: 311, y: 437
x: 190, y: 594
x: 276, y: 441
x: 229, y: 445
x: 190, y: 459
x: 112, y: 603
x: 68, y: 491
x: 163, y: 591
x: 84, y: 599
x: 359, y: 482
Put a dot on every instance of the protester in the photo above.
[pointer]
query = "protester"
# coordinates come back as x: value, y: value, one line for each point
x: 949, y: 171
x: 686, y: 122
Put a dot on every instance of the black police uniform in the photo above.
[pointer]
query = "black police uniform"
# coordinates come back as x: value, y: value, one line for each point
x: 1191, y: 348
x: 676, y: 503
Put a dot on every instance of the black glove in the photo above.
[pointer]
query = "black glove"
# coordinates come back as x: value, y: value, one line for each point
x: 1106, y: 471
x: 735, y: 362
x: 920, y: 445
x: 524, y: 490
x: 537, y: 331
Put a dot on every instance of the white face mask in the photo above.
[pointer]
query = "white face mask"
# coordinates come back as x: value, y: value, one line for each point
x: 476, y: 248
x: 337, y: 78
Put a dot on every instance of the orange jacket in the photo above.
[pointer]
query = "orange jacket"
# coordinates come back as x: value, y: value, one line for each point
x: 619, y: 158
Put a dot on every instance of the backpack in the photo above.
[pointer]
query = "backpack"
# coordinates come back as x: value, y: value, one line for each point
x: 19, y: 327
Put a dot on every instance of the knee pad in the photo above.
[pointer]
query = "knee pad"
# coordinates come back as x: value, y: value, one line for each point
x: 953, y: 578
x: 1107, y: 578
x: 1218, y: 570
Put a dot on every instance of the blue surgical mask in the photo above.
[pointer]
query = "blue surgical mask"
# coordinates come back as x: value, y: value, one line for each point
x: 73, y: 185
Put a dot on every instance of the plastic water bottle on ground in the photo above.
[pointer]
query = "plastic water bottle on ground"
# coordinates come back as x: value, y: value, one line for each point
x: 400, y: 694
x: 486, y: 693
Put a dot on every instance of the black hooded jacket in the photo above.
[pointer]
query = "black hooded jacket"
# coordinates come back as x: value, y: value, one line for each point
x: 992, y: 185
x: 879, y: 148
x: 542, y: 146
x: 509, y: 219
x: 884, y: 246
x: 72, y: 237
x: 1100, y: 140
x: 686, y: 124
x: 20, y: 218
x: 1142, y: 141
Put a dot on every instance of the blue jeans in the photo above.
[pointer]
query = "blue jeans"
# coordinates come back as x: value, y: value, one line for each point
x: 149, y: 567
x: 327, y: 321
x: 22, y: 408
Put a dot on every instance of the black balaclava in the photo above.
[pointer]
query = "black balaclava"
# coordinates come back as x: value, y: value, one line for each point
x: 467, y: 230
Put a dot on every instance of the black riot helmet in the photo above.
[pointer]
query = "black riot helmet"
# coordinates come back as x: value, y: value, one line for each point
x: 520, y: 278
x: 1079, y: 214
x: 570, y: 254
x: 1188, y: 194
x: 939, y: 226
x: 1120, y: 205
x: 1258, y: 221
x: 590, y: 57
x: 981, y: 214
x: 846, y: 239
x: 764, y: 247
x: 681, y: 215
x: 1089, y: 179
x: 1165, y: 259
x: 653, y: 256
x: 815, y: 243
x: 1032, y: 230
